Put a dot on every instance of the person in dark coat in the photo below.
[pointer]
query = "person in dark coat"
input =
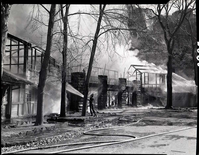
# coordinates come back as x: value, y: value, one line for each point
x: 92, y: 111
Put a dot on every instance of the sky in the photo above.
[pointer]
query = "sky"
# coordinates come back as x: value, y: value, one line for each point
x: 116, y: 58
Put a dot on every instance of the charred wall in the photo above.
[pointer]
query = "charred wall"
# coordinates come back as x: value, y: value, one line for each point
x: 122, y: 94
x: 102, y: 91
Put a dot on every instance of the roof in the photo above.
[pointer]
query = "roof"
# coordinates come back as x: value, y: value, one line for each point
x: 12, y: 78
x: 148, y: 69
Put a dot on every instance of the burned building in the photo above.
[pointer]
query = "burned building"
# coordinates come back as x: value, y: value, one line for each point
x: 22, y: 63
x: 151, y: 86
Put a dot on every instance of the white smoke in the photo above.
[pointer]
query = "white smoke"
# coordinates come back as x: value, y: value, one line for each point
x: 52, y: 98
x: 119, y: 60
x: 128, y: 58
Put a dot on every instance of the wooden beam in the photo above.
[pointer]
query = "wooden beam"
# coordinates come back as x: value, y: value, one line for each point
x: 13, y: 64
x: 18, y: 58
x: 25, y: 58
x: 140, y: 81
x: 156, y: 80
x: 16, y: 38
x: 9, y: 105
x: 15, y: 45
x: 24, y: 99
x: 41, y: 58
x: 137, y: 65
x: 10, y: 53
x: 31, y: 58
x: 141, y: 69
x: 17, y: 109
x: 35, y: 60
x: 136, y: 75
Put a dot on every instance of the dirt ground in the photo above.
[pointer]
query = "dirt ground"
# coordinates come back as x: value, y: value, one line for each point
x: 56, y: 132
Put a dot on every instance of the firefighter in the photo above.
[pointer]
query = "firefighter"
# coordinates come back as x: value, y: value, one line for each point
x: 92, y: 111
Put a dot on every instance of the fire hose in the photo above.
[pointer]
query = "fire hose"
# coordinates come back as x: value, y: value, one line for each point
x: 119, y: 142
x: 103, y: 143
x: 81, y: 143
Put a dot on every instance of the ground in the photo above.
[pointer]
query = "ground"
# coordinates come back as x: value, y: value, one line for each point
x: 127, y: 122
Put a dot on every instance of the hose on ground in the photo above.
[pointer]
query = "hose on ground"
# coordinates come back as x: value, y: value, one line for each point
x: 119, y: 142
x: 58, y: 145
x: 94, y: 134
x: 81, y: 143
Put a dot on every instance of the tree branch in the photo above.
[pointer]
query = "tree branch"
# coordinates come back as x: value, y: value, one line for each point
x: 45, y: 8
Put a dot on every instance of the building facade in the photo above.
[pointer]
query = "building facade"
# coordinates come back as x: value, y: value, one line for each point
x: 22, y: 63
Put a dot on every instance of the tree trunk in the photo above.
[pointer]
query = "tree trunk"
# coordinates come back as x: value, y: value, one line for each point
x: 195, y: 70
x: 89, y: 73
x: 194, y: 48
x: 43, y: 71
x: 91, y: 59
x: 85, y: 99
x: 195, y: 64
x: 169, y: 34
x: 64, y: 56
x: 5, y: 11
x: 63, y: 89
x: 169, y: 79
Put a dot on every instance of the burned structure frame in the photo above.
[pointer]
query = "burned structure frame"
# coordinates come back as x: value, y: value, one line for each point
x: 147, y: 83
x: 22, y: 63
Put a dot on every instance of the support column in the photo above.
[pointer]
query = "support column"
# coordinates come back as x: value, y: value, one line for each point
x: 102, y: 92
x: 24, y: 99
x: 129, y: 93
x: 25, y: 59
x: 77, y: 81
x: 9, y: 105
x: 121, y: 92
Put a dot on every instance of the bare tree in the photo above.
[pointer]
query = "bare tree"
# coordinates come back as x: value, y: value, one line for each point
x: 69, y: 48
x: 191, y: 32
x: 101, y: 13
x: 151, y: 44
x: 188, y: 30
x: 5, y: 11
x: 112, y: 28
x: 169, y: 33
x: 43, y: 71
x: 64, y: 56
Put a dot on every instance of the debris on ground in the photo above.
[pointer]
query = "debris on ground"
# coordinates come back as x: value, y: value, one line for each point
x: 18, y: 137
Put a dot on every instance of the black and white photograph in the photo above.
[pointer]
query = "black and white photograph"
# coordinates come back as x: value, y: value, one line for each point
x: 99, y: 78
